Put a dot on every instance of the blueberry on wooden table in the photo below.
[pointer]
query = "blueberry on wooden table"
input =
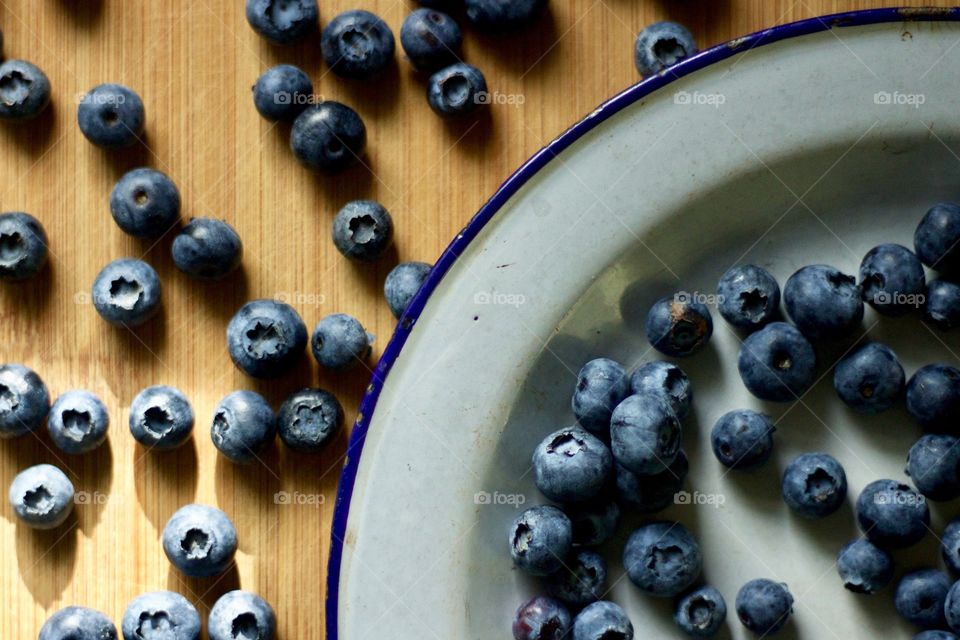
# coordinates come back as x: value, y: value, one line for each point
x: 145, y: 203
x: 126, y: 292
x: 42, y: 496
x: 431, y: 39
x: 339, y: 342
x: 457, y: 90
x: 111, y: 116
x: 200, y: 541
x: 78, y: 422
x: 241, y: 614
x: 282, y: 92
x: 207, y: 248
x: 503, y: 17
x: 357, y: 44
x: 78, y: 623
x: 362, y: 230
x: 265, y: 338
x: 161, y: 418
x: 24, y: 400
x: 163, y: 615
x: 309, y: 419
x: 283, y: 21
x: 24, y: 90
x: 402, y: 283
x: 662, y: 45
x: 23, y: 246
x: 329, y: 137
x: 243, y: 426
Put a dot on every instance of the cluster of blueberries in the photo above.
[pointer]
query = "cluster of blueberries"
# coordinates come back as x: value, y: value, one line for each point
x: 624, y: 452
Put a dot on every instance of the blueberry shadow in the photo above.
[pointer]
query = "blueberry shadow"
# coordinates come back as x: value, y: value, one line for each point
x: 145, y: 342
x: 471, y: 133
x: 33, y: 135
x: 372, y: 274
x: 258, y: 481
x: 530, y: 51
x: 93, y: 485
x: 221, y: 297
x: 165, y: 480
x: 376, y: 94
x: 204, y: 592
x: 84, y: 13
x: 333, y: 190
x: 30, y: 297
x: 47, y: 559
x: 275, y: 390
x: 128, y: 158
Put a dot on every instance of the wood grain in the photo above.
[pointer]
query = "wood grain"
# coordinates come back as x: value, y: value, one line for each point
x: 193, y: 62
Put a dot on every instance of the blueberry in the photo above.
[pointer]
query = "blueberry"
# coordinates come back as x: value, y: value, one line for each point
x: 870, y: 379
x: 678, y: 326
x: 864, y: 567
x: 920, y: 597
x: 457, y: 90
x: 243, y: 426
x: 503, y: 16
x: 594, y: 522
x: 111, y: 116
x: 581, y: 580
x: 328, y: 137
x: 951, y: 607
x: 892, y: 280
x: 743, y: 439
x: 540, y: 539
x: 950, y: 546
x: 701, y: 613
x: 602, y: 620
x: 24, y: 90
x: 23, y: 245
x: 282, y: 92
x: 42, y: 496
x: 402, y: 283
x: 891, y: 514
x: 571, y: 465
x: 933, y: 397
x: 78, y: 623
x: 340, y: 342
x: 200, y: 541
x: 282, y: 21
x: 542, y: 618
x: 161, y: 418
x: 308, y: 419
x: 764, y: 606
x: 933, y: 464
x: 814, y: 485
x: 265, y: 338
x: 662, y: 559
x: 126, y: 292
x: 145, y: 203
x: 24, y: 400
x: 652, y: 493
x: 357, y: 44
x: 78, y: 422
x: 666, y: 379
x: 942, y: 305
x: 824, y: 303
x: 602, y: 384
x: 160, y: 614
x: 430, y: 38
x: 937, y: 238
x: 661, y: 45
x: 748, y: 297
x: 777, y: 363
x: 362, y: 230
x: 644, y: 434
x: 207, y: 248
x: 241, y: 614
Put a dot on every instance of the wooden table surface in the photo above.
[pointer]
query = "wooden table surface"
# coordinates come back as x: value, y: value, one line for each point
x: 193, y: 62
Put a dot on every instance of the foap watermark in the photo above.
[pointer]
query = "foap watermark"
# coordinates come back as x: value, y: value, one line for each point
x: 496, y: 298
x: 301, y: 298
x: 100, y: 98
x: 697, y: 297
x: 899, y: 99
x: 515, y: 500
x: 85, y: 297
x: 699, y: 499
x: 906, y: 499
x: 900, y: 299
x: 298, y: 499
x: 698, y: 99
x: 495, y: 97
x: 304, y: 99
x: 90, y: 498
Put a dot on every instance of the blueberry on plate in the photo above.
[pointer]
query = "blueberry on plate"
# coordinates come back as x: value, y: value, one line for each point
x: 540, y: 539
x: 126, y: 292
x: 933, y: 465
x: 594, y: 522
x: 24, y: 90
x: 23, y: 246
x: 308, y: 419
x: 764, y: 606
x: 283, y: 21
x: 892, y: 280
x: 42, y: 496
x: 111, y: 116
x: 652, y: 493
x: 329, y: 136
x: 662, y: 559
x: 541, y: 618
x: 679, y: 326
x: 662, y: 45
x: 571, y: 465
x: 581, y: 580
x: 824, y: 303
x: 241, y: 614
x: 933, y: 397
x: 814, y: 485
x: 200, y: 541
x: 243, y: 426
x: 362, y: 230
x: 951, y: 607
x: 79, y: 623
x: 265, y: 338
x: 864, y: 567
x: 78, y: 422
x: 892, y: 515
x: 950, y: 546
x: 870, y: 379
x: 644, y: 434
x: 402, y: 283
x: 665, y: 379
x: 942, y: 305
x: 357, y: 44
x: 430, y: 38
x: 503, y: 17
x: 145, y: 203
x: 602, y: 384
x: 282, y: 92
x: 207, y: 248
x: 743, y: 439
x: 161, y: 418
x: 340, y: 342
x: 748, y: 297
x: 701, y: 612
x: 24, y: 400
x: 602, y: 620
x: 159, y: 613
x: 937, y: 238
x: 920, y: 597
x: 457, y: 90
x: 777, y: 363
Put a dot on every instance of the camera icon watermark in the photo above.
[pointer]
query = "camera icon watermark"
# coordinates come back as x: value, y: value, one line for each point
x: 715, y: 500
x: 90, y: 498
x: 916, y: 300
x: 298, y: 499
x: 304, y: 99
x: 698, y: 99
x: 515, y: 500
x: 495, y: 298
x: 100, y: 98
x: 512, y: 99
x: 897, y: 98
x: 697, y: 297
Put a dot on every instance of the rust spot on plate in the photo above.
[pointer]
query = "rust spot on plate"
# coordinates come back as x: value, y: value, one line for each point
x: 925, y: 12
